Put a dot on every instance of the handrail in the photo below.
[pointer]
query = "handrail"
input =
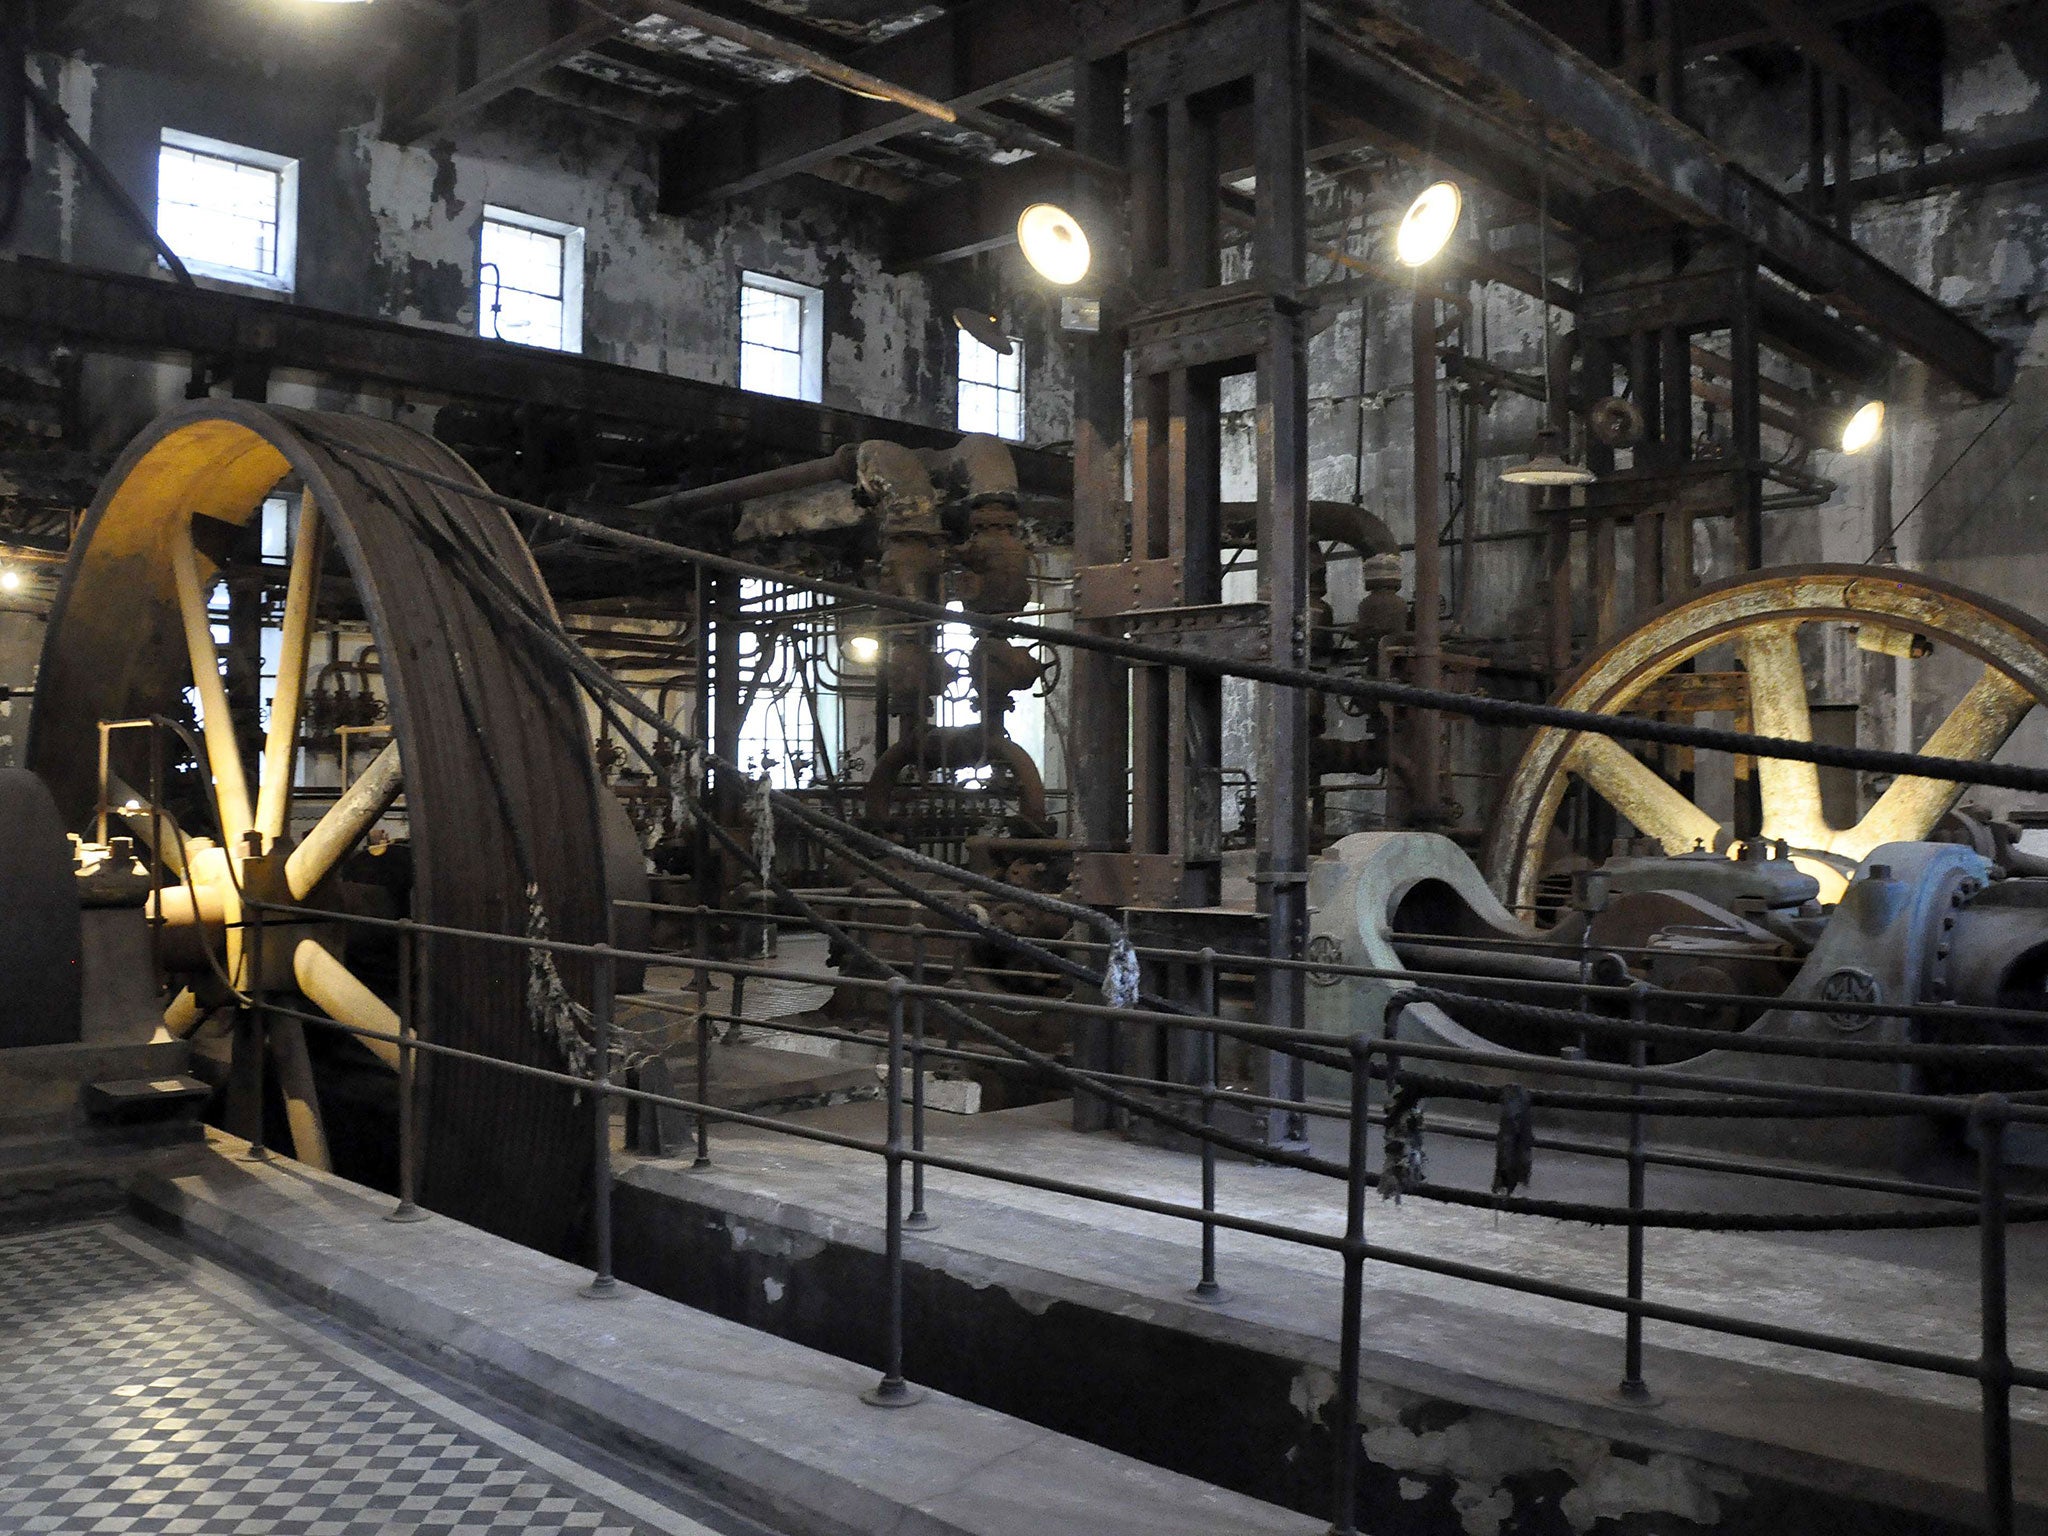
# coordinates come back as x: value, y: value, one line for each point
x: 1365, y: 1058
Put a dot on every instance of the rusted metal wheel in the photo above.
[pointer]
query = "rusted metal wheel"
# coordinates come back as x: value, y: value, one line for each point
x: 1761, y: 616
x: 495, y: 765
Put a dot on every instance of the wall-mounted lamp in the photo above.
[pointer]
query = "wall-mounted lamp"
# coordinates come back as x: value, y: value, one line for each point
x: 1429, y: 223
x: 10, y: 581
x: 864, y: 650
x: 1054, y: 243
x: 1864, y: 428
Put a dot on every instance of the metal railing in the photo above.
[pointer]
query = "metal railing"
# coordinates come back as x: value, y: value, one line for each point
x: 1364, y: 1058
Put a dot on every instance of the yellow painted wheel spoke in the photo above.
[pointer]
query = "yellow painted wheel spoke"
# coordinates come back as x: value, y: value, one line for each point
x: 1633, y: 788
x: 345, y: 822
x: 340, y: 993
x: 223, y: 756
x: 1790, y: 791
x: 1975, y: 729
x: 280, y: 750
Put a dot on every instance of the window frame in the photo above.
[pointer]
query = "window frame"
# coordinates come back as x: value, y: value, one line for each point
x: 961, y: 382
x: 810, y: 341
x: 284, y: 167
x: 572, y: 238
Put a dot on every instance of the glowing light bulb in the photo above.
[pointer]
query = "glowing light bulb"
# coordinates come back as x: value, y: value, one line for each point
x: 1427, y: 226
x: 10, y: 581
x: 864, y: 649
x: 1864, y: 428
x: 1054, y: 243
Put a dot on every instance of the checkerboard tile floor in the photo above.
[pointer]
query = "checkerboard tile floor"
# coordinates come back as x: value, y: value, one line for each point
x: 132, y: 1400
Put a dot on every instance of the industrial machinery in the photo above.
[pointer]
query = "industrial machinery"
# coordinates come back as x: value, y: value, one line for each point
x: 504, y: 821
x: 1898, y: 906
x: 1760, y: 618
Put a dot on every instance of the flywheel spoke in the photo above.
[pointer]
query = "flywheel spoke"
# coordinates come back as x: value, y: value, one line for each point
x: 223, y: 756
x: 340, y: 993
x: 1790, y: 791
x: 1975, y: 729
x: 280, y: 749
x: 301, y: 1095
x: 346, y: 821
x: 1629, y: 785
x: 184, y: 1014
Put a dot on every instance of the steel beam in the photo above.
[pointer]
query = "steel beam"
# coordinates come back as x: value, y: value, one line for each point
x: 1486, y: 57
x: 966, y: 57
x: 1794, y: 22
x: 496, y: 47
x: 145, y: 316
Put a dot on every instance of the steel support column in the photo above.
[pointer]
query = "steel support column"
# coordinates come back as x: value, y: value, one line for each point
x: 1188, y: 332
x: 1100, y: 767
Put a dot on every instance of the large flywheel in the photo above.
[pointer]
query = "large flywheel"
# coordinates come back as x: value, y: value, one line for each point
x: 488, y: 746
x: 1760, y: 617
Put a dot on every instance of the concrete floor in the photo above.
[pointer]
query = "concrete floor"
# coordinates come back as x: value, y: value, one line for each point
x: 1902, y: 1437
x: 1915, y: 1289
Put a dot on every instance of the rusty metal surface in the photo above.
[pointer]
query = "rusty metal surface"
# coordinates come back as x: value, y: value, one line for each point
x: 505, y: 1153
x: 2008, y: 642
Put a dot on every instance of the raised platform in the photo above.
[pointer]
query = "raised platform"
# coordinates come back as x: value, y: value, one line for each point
x: 766, y: 1426
x: 1484, y: 1410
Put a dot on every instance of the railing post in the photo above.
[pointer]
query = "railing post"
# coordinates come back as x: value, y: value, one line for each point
x: 603, y: 1285
x: 919, y: 1218
x: 1994, y: 1366
x: 1632, y: 1385
x: 1206, y: 1288
x: 892, y: 1391
x: 1352, y: 1327
x: 255, y: 1039
x: 156, y: 848
x: 411, y: 958
x: 703, y: 1159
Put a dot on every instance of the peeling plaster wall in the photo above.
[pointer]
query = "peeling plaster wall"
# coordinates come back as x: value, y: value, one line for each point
x: 1970, y: 503
x: 392, y: 231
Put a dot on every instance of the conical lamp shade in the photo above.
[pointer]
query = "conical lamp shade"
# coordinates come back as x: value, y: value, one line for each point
x: 1547, y: 466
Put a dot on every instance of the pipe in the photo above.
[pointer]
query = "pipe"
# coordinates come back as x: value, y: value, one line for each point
x: 1608, y: 969
x: 769, y: 482
x: 54, y: 121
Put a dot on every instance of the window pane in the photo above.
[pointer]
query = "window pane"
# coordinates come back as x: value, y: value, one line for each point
x: 991, y: 397
x: 523, y: 272
x: 218, y: 211
x: 772, y: 326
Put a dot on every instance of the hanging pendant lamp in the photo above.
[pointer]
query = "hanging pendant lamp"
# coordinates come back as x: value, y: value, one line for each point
x: 1547, y: 466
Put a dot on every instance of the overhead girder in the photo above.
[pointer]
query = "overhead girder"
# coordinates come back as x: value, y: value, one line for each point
x: 137, y: 314
x: 1475, y: 85
x: 491, y: 746
x: 967, y: 57
x: 1484, y: 59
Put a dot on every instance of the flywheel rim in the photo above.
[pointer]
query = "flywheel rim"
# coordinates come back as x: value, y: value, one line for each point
x: 2000, y: 637
x: 506, y: 1152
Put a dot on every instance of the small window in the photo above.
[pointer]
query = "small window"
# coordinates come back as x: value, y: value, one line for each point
x: 991, y: 389
x: 782, y: 337
x: 530, y: 280
x: 229, y: 212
